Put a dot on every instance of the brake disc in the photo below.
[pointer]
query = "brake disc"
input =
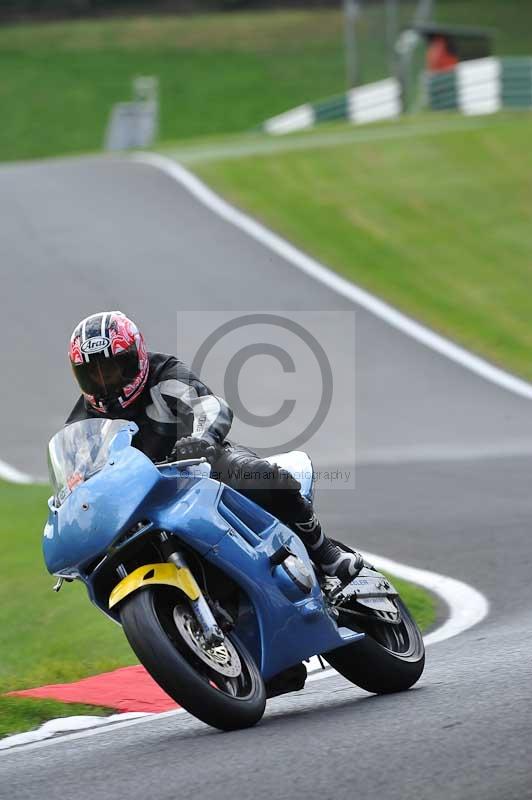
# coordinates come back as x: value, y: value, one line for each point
x: 222, y: 657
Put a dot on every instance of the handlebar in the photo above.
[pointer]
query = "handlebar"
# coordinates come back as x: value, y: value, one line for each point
x: 184, y: 462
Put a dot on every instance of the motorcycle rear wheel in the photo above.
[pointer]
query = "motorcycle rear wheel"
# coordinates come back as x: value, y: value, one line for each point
x: 225, y: 702
x: 390, y: 658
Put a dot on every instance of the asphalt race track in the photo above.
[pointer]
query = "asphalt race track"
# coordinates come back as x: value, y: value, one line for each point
x: 443, y: 482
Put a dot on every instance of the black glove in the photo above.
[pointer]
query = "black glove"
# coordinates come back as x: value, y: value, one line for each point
x: 190, y: 447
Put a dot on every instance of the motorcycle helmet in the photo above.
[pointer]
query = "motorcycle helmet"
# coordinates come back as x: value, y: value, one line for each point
x: 109, y: 360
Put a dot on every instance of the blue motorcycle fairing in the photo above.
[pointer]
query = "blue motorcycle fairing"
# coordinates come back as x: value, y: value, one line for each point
x: 128, y: 490
x: 281, y: 623
x: 98, y: 511
x: 290, y: 625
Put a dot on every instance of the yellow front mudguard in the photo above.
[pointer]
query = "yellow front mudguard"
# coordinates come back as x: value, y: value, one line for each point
x: 166, y: 574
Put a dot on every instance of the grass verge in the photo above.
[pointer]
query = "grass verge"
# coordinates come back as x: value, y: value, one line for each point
x: 422, y: 604
x: 44, y: 637
x: 48, y: 638
x: 436, y: 221
x: 20, y: 714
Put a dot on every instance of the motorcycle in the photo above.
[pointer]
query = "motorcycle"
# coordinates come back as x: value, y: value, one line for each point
x: 218, y: 599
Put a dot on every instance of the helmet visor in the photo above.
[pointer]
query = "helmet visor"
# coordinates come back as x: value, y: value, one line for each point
x: 106, y: 378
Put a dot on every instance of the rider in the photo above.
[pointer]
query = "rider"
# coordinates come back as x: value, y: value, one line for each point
x: 179, y: 416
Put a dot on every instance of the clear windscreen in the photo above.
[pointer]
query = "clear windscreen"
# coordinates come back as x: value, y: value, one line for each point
x: 79, y: 451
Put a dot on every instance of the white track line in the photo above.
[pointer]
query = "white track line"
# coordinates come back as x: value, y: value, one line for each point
x: 330, y: 279
x: 13, y: 475
x: 467, y: 607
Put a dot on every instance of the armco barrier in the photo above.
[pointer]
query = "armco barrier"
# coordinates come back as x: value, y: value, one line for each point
x: 482, y: 86
x: 369, y: 103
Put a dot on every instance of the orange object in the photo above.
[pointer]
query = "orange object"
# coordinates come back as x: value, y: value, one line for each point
x: 440, y: 56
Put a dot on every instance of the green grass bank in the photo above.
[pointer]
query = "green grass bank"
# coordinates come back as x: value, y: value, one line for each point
x: 44, y: 637
x: 433, y: 215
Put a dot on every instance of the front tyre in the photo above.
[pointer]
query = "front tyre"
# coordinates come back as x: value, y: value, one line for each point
x: 390, y: 658
x: 221, y: 686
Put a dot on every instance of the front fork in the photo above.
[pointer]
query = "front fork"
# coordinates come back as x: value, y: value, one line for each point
x: 175, y: 572
x: 206, y: 620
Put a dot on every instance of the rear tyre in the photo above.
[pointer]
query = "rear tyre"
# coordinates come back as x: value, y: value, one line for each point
x: 390, y: 658
x: 222, y: 687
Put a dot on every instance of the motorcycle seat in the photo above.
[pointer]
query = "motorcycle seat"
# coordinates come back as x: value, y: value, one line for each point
x: 299, y: 465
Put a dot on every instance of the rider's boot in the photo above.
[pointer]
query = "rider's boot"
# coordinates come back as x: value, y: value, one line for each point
x: 334, y: 561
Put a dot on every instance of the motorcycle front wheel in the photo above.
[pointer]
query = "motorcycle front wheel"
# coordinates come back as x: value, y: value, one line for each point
x: 390, y: 657
x: 221, y: 685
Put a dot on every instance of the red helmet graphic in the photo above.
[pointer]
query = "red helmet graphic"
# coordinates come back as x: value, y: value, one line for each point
x: 109, y: 360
